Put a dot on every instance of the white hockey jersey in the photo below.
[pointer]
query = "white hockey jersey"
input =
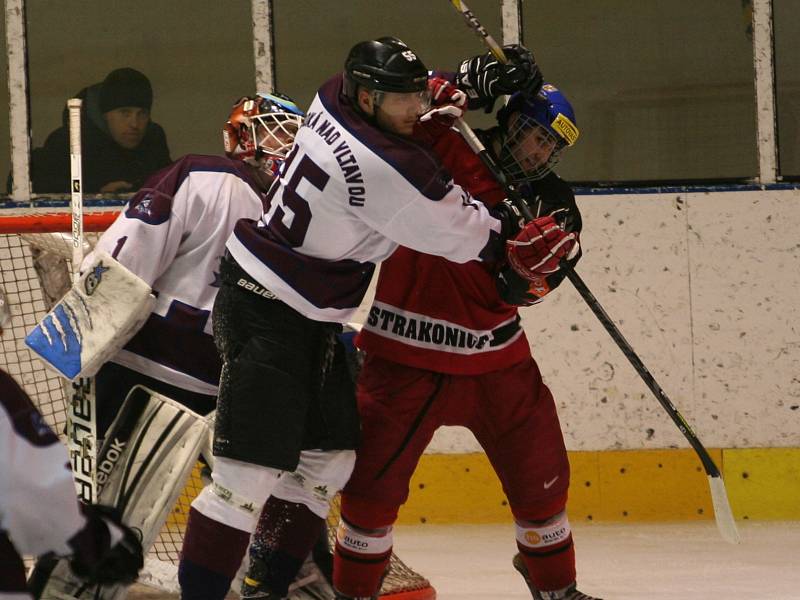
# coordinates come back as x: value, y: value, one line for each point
x: 38, y: 504
x: 172, y: 234
x: 347, y: 196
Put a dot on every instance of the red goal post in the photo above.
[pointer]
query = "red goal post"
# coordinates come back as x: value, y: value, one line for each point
x: 53, y: 222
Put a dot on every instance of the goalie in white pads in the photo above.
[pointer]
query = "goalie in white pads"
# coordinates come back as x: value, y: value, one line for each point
x: 143, y: 465
x: 39, y: 512
x: 171, y: 236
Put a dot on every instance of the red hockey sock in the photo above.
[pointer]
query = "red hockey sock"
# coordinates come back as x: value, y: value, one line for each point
x: 553, y: 570
x: 547, y: 550
x: 360, y: 560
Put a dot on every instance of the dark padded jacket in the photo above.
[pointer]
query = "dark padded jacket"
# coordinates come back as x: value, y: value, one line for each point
x: 103, y: 160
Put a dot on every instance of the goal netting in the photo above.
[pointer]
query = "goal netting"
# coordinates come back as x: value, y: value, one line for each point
x: 35, y: 259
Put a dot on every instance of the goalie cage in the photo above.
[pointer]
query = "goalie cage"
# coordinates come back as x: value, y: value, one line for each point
x: 35, y: 261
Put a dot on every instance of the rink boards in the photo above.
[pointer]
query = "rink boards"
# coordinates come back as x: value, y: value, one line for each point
x: 614, y: 486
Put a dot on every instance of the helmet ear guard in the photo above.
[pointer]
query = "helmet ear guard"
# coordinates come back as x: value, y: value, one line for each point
x: 260, y: 130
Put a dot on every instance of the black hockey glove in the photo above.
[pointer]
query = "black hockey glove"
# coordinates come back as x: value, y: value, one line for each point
x: 484, y: 78
x: 95, y: 560
x: 554, y: 197
x: 510, y: 218
x: 550, y: 196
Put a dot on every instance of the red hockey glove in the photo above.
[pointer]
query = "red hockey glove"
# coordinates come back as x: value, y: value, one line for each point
x: 447, y: 101
x: 539, y: 246
x: 443, y: 92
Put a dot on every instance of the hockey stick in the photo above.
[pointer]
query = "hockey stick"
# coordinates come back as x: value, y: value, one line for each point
x: 81, y: 411
x: 719, y: 497
x: 480, y: 30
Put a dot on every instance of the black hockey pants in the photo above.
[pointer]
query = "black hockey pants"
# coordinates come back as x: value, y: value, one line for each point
x: 285, y: 386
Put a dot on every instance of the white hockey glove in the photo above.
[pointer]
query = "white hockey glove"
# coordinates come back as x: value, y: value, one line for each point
x: 94, y: 319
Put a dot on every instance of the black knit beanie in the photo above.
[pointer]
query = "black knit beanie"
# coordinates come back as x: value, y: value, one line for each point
x: 125, y: 87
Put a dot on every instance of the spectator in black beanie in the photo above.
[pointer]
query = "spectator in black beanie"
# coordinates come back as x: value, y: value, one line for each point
x: 121, y: 146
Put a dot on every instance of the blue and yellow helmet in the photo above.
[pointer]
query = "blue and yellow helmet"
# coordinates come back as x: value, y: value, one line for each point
x: 535, y: 131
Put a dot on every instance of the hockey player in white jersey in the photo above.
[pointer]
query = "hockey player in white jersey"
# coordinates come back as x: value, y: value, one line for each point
x: 354, y: 186
x: 39, y: 512
x: 172, y: 235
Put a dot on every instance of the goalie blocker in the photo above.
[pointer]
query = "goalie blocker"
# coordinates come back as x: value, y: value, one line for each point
x: 142, y: 467
x: 94, y: 319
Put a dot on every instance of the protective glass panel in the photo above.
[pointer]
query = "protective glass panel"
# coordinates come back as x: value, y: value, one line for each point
x: 312, y: 39
x: 197, y: 55
x: 662, y: 90
x: 787, y: 78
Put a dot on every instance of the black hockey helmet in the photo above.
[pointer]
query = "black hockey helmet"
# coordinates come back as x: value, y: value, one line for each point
x: 386, y: 64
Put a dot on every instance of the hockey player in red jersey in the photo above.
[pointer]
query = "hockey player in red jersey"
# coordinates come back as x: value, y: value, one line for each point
x: 39, y: 511
x: 354, y: 186
x: 444, y: 346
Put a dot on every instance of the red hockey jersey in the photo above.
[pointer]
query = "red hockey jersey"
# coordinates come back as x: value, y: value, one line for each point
x: 435, y: 314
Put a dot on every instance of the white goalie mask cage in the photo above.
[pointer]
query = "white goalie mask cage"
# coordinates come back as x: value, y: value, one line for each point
x: 261, y: 130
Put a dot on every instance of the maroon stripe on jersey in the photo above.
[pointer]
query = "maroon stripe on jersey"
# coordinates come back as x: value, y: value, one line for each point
x: 12, y: 569
x: 418, y: 165
x: 153, y: 202
x: 24, y: 418
x: 177, y: 341
x: 337, y: 284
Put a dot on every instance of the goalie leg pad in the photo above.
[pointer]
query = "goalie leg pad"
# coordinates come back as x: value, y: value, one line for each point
x: 142, y: 467
x: 95, y: 318
x: 146, y: 459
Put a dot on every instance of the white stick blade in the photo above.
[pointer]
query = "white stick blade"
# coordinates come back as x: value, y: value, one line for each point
x: 722, y: 511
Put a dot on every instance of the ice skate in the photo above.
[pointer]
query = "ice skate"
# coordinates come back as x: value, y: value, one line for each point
x: 568, y: 593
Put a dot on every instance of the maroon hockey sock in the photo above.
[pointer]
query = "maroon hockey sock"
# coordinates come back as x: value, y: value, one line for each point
x: 551, y: 567
x: 213, y: 545
x: 284, y: 537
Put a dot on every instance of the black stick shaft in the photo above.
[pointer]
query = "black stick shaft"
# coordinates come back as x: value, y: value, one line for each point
x: 708, y: 463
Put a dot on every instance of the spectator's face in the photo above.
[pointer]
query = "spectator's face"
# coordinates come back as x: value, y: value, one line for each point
x: 127, y: 125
